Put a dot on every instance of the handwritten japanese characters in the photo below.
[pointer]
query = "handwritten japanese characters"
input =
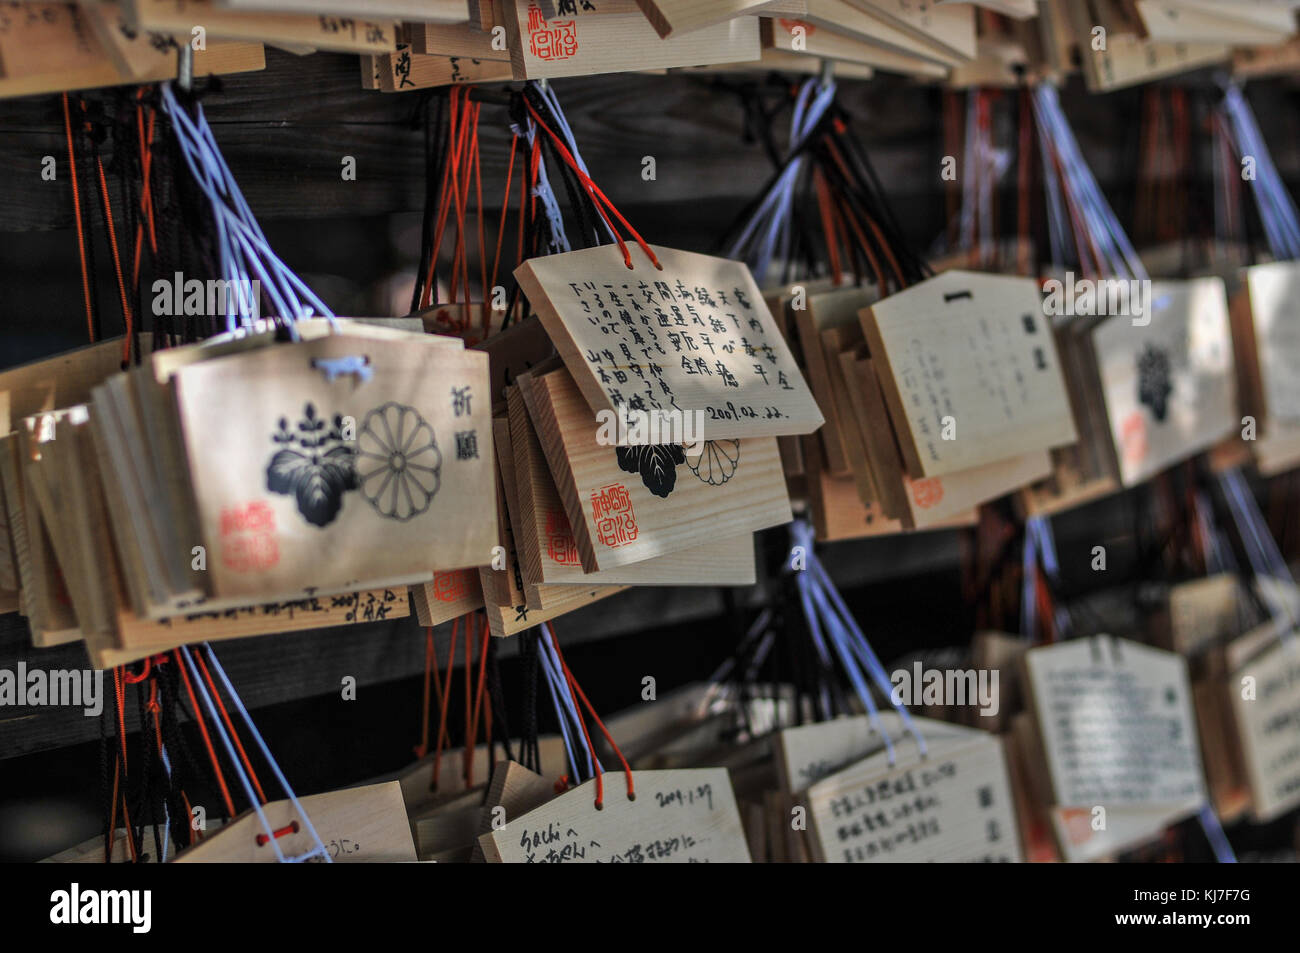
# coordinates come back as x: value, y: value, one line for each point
x: 1267, y: 710
x: 683, y: 816
x: 693, y: 338
x: 1116, y: 722
x: 954, y: 805
x: 969, y: 370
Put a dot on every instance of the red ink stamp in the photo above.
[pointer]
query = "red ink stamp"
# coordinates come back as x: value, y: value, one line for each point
x: 450, y: 586
x: 561, y: 547
x: 927, y: 493
x: 557, y: 40
x: 612, y: 508
x: 791, y: 25
x: 248, y: 542
x: 1133, y: 438
x: 1078, y: 826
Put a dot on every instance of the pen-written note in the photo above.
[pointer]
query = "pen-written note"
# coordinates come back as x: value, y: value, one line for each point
x: 686, y: 816
x: 695, y: 336
x: 1116, y: 720
x: 953, y: 806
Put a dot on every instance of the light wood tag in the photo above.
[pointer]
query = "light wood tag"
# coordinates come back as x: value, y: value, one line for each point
x: 356, y: 825
x: 580, y: 46
x: 451, y: 595
x: 1188, y: 22
x: 952, y: 28
x: 1198, y: 614
x: 342, y: 34
x: 682, y: 816
x: 446, y: 831
x: 511, y: 604
x: 1128, y: 61
x: 589, y: 8
x: 675, y: 17
x: 953, y: 806
x: 405, y: 69
x: 842, y: 16
x: 512, y: 792
x: 696, y: 337
x: 1117, y: 726
x: 460, y: 39
x: 1169, y: 386
x: 549, y: 550
x: 803, y: 38
x: 419, y: 11
x: 969, y: 370
x: 1269, y: 728
x: 394, y: 490
x: 629, y: 504
x: 1272, y: 292
x: 808, y: 753
x: 59, y: 381
x: 97, y: 68
x: 416, y: 779
x: 834, y: 309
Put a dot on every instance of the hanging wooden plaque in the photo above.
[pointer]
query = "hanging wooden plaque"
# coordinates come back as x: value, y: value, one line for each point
x: 695, y: 337
x: 627, y: 504
x: 969, y: 370
x: 391, y: 492
x: 955, y: 805
x: 681, y: 816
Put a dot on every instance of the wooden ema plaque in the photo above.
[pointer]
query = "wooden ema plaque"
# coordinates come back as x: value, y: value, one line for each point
x: 305, y: 506
x: 695, y: 337
x: 512, y: 605
x: 1270, y: 348
x: 344, y: 34
x: 1169, y: 386
x: 1267, y: 711
x: 952, y: 806
x: 969, y: 370
x: 583, y: 45
x: 1116, y: 721
x: 807, y: 753
x: 549, y: 551
x: 356, y: 825
x: 679, y: 817
x: 670, y: 17
x: 451, y: 595
x: 627, y: 504
x: 951, y: 28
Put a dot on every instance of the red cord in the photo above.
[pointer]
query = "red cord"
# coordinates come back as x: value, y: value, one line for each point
x: 127, y: 316
x: 577, y: 690
x: 225, y: 716
x: 203, y: 730
x: 598, y: 195
x: 290, y: 828
x: 76, y: 209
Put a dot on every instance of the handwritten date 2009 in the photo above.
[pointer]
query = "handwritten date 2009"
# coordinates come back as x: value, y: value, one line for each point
x: 702, y: 793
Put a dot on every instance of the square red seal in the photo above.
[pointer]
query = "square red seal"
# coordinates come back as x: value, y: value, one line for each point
x: 248, y: 542
x: 612, y: 509
x: 561, y: 547
x: 450, y: 586
x: 556, y: 40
